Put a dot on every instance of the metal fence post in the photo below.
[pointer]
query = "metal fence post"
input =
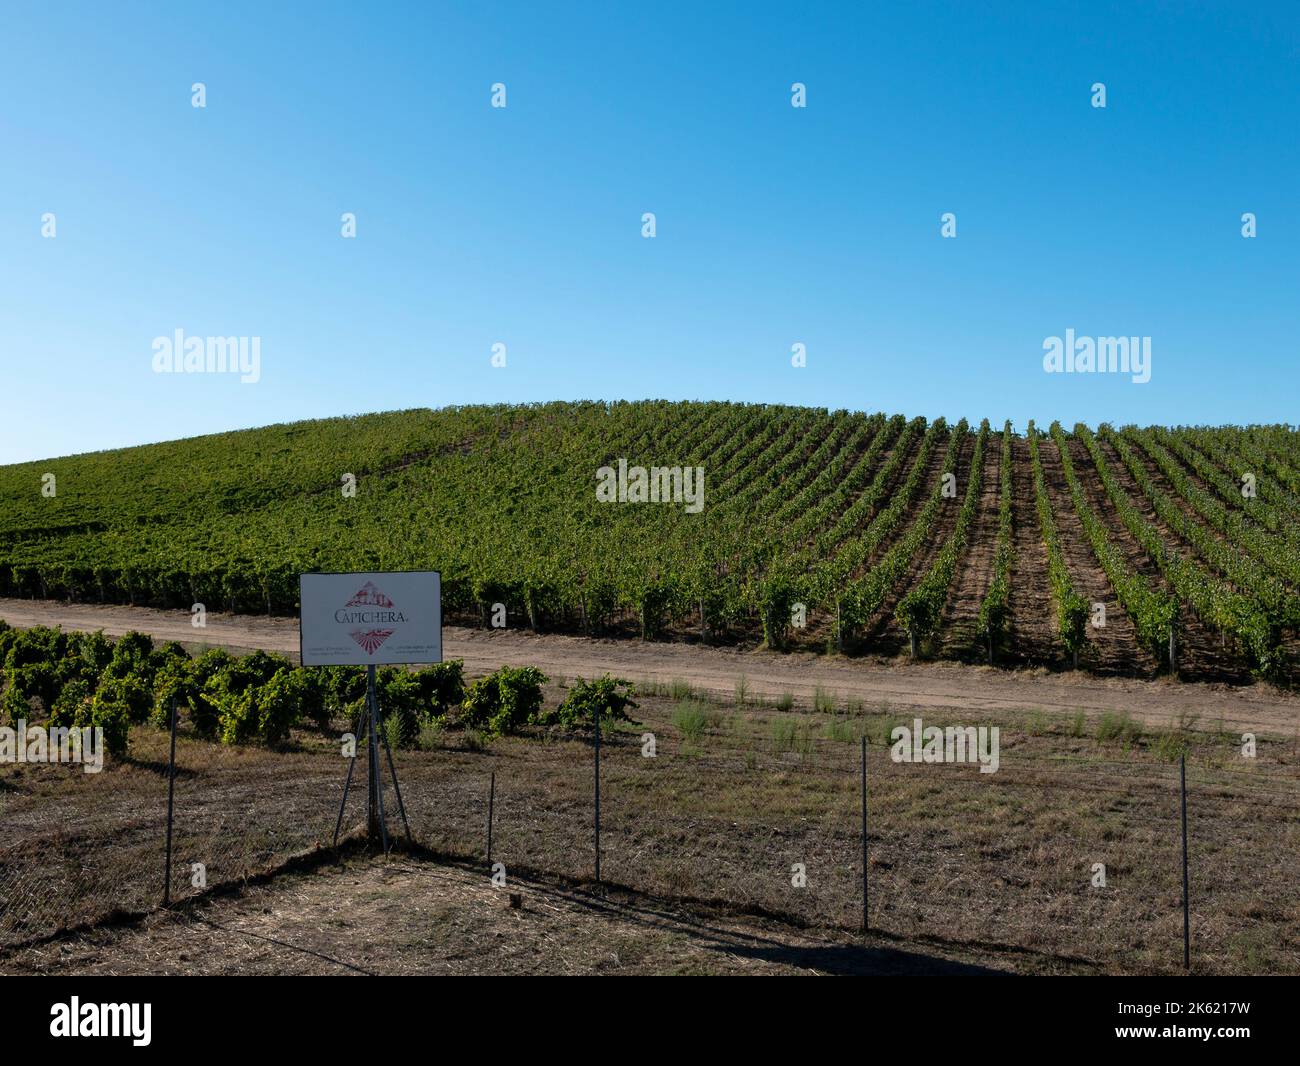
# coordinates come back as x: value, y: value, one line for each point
x: 596, y: 716
x: 171, y: 806
x: 492, y: 795
x: 1187, y: 924
x: 864, y: 833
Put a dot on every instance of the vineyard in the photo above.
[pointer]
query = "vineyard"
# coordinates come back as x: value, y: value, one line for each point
x: 1125, y: 550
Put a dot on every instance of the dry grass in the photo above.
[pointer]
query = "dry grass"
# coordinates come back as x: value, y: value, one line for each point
x: 978, y: 863
x: 401, y: 916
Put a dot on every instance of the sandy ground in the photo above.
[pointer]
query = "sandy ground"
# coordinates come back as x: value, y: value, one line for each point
x: 902, y: 685
x: 402, y: 915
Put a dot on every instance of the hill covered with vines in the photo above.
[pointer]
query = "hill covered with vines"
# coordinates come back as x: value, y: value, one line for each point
x: 833, y: 530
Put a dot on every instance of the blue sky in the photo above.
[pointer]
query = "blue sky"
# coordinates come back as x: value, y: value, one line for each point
x: 522, y: 225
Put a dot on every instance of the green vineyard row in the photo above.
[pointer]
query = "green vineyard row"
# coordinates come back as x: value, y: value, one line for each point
x: 836, y: 521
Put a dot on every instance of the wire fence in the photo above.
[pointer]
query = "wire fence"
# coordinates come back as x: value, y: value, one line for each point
x: 1075, y: 859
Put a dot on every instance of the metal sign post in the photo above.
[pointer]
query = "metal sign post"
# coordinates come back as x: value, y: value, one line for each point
x: 376, y: 823
x: 367, y: 619
x: 171, y: 807
x: 1187, y: 920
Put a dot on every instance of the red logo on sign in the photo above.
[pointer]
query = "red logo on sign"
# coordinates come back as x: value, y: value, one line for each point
x: 371, y: 639
x: 369, y: 596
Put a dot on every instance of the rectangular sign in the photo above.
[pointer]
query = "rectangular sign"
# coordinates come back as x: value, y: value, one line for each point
x: 370, y: 619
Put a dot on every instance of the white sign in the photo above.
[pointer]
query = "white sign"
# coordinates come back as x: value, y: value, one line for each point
x: 370, y: 619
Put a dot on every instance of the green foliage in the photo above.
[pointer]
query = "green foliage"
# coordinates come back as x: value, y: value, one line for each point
x: 107, y: 712
x: 691, y: 718
x: 1171, y: 746
x: 395, y: 733
x: 35, y: 681
x: 279, y: 704
x: 172, y: 684
x: 1152, y: 610
x: 259, y: 697
x: 832, y: 509
x: 71, y: 705
x: 1118, y: 726
x: 84, y: 679
x: 608, y: 697
x: 131, y: 692
x: 29, y: 647
x: 343, y: 686
x: 442, y: 686
x: 919, y: 610
x: 823, y: 701
x: 865, y: 596
x: 72, y: 664
x: 236, y: 711
x: 95, y: 652
x: 259, y: 667
x: 204, y: 715
x: 505, y: 701
x: 1071, y: 607
x: 313, y: 697
x: 790, y: 734
x: 132, y: 655
x: 777, y: 592
x: 995, y: 608
x: 843, y: 730
x: 407, y: 699
x: 597, y: 601
x: 244, y: 704
x: 1249, y: 601
x: 14, y: 707
x: 171, y: 652
x: 653, y: 600
x: 431, y: 736
x: 402, y: 705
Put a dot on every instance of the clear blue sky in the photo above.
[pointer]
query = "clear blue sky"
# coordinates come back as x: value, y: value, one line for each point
x: 775, y: 225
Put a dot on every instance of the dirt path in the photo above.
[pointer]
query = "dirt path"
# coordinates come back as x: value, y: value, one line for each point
x: 404, y: 916
x: 936, y: 685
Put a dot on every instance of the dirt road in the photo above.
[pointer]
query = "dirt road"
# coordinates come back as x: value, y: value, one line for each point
x: 901, y: 685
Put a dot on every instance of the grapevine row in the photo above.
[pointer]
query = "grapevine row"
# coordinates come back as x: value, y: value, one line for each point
x: 865, y: 596
x: 919, y: 610
x: 1071, y: 608
x: 995, y: 607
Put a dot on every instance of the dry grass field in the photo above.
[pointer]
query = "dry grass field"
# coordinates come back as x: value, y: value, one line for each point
x: 401, y: 915
x: 991, y: 869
